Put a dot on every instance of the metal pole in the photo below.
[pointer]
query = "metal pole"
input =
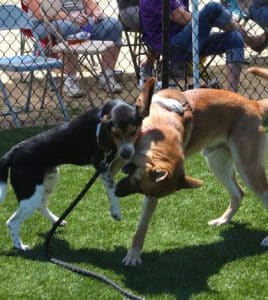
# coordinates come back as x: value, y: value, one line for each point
x: 165, y: 51
x: 195, y: 43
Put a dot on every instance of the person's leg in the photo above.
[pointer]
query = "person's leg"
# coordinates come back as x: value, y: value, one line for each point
x: 259, y: 14
x: 211, y: 15
x: 66, y: 28
x: 225, y: 22
x: 109, y: 29
x: 232, y: 44
x: 70, y: 61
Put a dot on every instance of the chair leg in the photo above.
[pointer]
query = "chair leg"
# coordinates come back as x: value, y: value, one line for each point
x: 82, y: 62
x: 22, y: 43
x: 105, y: 76
x: 44, y: 92
x: 92, y: 70
x: 29, y: 94
x: 58, y: 95
x: 133, y: 56
x: 9, y: 106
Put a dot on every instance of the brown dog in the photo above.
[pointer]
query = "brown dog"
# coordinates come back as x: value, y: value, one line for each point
x: 225, y: 125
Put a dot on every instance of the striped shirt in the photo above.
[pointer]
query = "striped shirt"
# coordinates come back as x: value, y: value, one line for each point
x: 73, y: 5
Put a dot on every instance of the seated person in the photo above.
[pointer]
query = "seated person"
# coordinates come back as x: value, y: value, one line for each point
x: 211, y: 15
x: 78, y: 15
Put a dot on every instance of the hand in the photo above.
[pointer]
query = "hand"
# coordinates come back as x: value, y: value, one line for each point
x: 80, y: 18
x: 98, y: 15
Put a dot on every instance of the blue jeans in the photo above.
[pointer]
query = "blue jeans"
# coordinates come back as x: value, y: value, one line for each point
x: 210, y: 43
x: 108, y: 29
x: 66, y: 27
x: 259, y: 14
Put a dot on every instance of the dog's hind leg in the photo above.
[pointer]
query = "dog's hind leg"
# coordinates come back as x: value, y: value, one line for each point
x: 256, y: 180
x: 221, y: 164
x: 50, y: 180
x: 24, y: 211
x: 250, y: 164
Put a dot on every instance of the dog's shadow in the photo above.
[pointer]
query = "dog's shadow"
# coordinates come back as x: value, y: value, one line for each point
x: 181, y: 272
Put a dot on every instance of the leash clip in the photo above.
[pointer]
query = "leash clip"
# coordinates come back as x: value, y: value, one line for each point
x: 103, y: 166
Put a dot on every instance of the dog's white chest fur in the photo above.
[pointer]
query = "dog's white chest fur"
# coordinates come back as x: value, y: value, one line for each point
x: 171, y: 104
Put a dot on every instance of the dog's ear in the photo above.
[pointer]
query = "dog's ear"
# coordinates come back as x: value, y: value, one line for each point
x: 107, y: 122
x: 144, y: 99
x: 188, y: 182
x: 159, y: 175
x: 103, y: 133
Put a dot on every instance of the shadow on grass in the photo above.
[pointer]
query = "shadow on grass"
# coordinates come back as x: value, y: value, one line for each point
x: 181, y: 272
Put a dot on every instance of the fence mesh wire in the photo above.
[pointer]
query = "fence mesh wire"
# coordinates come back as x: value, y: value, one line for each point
x: 87, y: 80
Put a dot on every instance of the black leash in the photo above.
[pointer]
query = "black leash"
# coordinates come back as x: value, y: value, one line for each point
x: 102, y: 278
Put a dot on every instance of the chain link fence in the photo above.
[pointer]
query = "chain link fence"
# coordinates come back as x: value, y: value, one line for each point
x: 91, y: 76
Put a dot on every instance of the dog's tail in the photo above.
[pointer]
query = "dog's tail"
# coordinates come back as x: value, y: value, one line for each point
x: 261, y: 72
x: 4, y: 166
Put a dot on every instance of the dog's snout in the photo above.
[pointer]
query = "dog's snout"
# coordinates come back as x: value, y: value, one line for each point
x: 126, y: 151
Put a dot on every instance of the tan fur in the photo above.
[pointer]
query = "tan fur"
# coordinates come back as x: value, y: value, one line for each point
x: 225, y: 125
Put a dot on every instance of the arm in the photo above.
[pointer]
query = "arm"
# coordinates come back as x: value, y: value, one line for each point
x: 34, y: 6
x: 93, y: 9
x: 180, y: 16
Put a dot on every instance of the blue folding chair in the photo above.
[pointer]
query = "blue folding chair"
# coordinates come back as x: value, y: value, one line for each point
x: 14, y: 18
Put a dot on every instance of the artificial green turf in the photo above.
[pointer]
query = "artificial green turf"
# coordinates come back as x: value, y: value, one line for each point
x: 183, y: 257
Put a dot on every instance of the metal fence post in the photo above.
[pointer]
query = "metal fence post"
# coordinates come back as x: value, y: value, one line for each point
x: 165, y: 51
x: 195, y: 43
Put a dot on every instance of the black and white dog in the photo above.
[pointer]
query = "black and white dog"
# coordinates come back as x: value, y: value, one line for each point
x: 110, y: 130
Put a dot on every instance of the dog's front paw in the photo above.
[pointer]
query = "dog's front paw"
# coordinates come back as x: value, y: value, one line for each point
x: 218, y: 222
x: 115, y: 208
x: 63, y: 223
x: 115, y: 213
x: 264, y: 242
x: 22, y: 247
x: 132, y: 258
